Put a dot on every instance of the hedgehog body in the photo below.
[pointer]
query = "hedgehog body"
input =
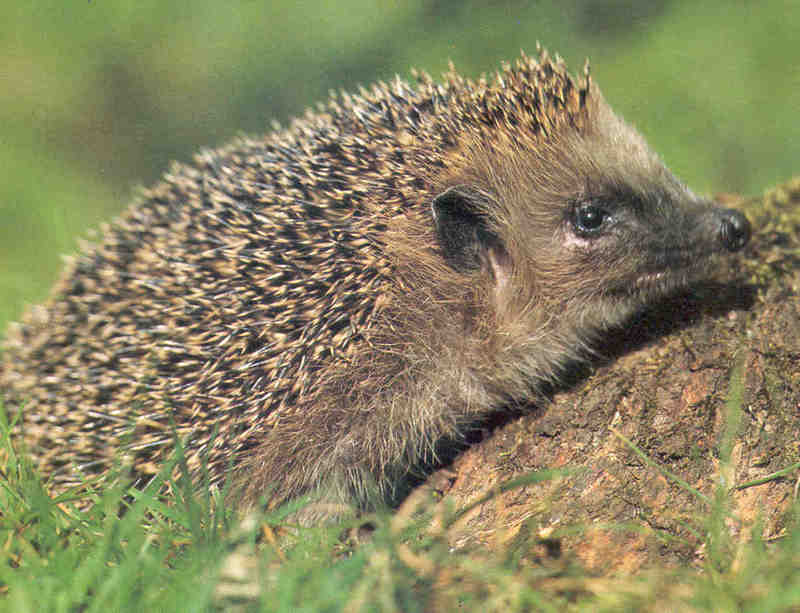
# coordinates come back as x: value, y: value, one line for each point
x: 318, y: 309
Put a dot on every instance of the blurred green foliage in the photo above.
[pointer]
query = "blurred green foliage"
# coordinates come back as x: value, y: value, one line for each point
x: 97, y: 96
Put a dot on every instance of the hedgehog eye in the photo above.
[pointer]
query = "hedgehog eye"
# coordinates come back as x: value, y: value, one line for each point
x: 587, y: 218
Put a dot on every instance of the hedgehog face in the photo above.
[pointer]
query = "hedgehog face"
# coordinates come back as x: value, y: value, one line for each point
x: 588, y: 223
x: 643, y: 245
x: 629, y: 232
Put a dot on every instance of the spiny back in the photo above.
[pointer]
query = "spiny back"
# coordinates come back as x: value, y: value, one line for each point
x: 219, y: 298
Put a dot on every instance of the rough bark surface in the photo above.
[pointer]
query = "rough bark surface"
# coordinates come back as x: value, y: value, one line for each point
x: 707, y: 385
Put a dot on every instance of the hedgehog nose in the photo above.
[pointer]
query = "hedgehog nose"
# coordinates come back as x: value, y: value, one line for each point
x: 734, y: 231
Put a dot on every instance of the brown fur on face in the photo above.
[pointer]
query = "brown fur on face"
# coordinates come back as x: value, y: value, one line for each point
x: 322, y: 307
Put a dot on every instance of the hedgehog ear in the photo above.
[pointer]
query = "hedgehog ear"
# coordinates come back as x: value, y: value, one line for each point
x: 467, y: 242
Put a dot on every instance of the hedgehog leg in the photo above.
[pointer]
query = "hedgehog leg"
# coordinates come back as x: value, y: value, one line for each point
x: 352, y: 456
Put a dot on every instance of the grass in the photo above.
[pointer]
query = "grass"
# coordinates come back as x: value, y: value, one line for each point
x: 185, y: 552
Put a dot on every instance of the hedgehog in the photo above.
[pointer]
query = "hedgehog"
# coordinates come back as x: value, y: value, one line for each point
x: 321, y: 311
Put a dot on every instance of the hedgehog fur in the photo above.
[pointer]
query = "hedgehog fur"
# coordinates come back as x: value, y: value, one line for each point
x: 317, y: 310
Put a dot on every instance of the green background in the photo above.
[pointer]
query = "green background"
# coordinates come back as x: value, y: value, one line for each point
x: 96, y: 97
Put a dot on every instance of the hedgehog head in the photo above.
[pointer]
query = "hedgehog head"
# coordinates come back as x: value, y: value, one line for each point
x: 566, y: 213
